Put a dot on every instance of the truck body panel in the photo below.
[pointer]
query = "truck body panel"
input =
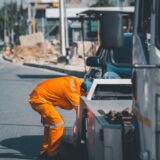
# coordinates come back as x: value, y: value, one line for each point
x: 103, y: 139
x: 147, y: 89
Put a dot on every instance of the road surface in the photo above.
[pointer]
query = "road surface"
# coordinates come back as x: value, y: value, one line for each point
x: 20, y: 128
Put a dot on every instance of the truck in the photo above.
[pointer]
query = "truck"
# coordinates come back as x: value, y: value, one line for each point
x: 137, y: 139
x: 106, y: 111
x: 104, y: 117
x: 146, y: 77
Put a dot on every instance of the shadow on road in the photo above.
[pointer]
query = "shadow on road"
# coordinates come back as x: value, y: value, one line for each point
x: 33, y: 76
x: 27, y: 147
x: 69, y: 152
x: 62, y: 70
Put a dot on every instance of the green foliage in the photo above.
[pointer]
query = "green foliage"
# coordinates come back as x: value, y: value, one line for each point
x: 1, y: 23
x: 13, y: 19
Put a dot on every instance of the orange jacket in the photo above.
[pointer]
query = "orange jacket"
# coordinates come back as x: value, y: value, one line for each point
x: 63, y: 92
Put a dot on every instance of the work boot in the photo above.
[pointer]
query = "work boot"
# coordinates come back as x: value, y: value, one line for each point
x: 42, y: 157
x: 55, y: 157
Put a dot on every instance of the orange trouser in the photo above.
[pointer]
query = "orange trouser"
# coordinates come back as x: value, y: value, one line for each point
x: 54, y: 128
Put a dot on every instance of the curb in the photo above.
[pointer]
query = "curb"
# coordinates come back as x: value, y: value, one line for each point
x: 6, y: 59
x: 70, y: 72
x: 79, y: 74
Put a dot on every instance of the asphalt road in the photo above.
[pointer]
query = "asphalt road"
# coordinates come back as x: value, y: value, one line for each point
x: 20, y: 127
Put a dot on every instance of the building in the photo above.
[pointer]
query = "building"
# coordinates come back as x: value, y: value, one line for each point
x: 44, y: 17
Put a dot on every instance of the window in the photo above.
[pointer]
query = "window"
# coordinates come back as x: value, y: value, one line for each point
x: 144, y: 17
x: 92, y: 30
x: 123, y: 55
x: 158, y: 24
x: 144, y: 25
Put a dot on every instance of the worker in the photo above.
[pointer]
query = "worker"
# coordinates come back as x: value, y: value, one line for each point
x: 8, y: 50
x: 63, y: 92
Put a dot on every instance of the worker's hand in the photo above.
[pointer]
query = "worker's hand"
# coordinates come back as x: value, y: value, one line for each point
x: 76, y: 110
x: 75, y: 131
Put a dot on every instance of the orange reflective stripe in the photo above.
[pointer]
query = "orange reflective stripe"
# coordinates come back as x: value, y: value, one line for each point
x: 72, y: 84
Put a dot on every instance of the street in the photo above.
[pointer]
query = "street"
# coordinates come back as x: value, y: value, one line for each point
x: 20, y: 128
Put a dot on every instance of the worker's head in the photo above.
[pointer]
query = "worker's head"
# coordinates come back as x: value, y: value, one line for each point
x: 85, y: 87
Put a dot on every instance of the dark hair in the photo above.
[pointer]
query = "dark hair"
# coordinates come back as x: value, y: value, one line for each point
x: 84, y: 87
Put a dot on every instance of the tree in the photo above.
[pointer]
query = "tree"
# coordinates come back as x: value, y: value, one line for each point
x: 13, y: 19
x: 1, y: 24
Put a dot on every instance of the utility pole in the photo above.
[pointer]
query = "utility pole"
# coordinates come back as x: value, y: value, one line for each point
x: 29, y: 18
x: 43, y: 25
x: 5, y: 18
x: 62, y: 27
x: 66, y: 27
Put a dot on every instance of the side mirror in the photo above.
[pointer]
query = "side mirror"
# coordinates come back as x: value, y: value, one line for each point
x: 92, y: 61
x: 111, y: 30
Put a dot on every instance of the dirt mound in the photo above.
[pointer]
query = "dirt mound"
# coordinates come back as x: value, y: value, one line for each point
x: 34, y: 47
x: 33, y: 53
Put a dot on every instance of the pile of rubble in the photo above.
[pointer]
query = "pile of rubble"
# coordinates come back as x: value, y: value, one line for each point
x: 34, y: 48
x: 34, y: 53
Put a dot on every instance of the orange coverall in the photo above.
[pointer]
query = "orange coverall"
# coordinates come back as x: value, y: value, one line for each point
x: 63, y: 92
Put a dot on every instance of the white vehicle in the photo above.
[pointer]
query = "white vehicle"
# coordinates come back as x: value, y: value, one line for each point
x: 146, y: 77
x: 146, y: 87
x: 99, y: 136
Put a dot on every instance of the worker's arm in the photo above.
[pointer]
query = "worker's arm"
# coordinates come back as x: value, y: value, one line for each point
x: 76, y: 109
x: 74, y: 100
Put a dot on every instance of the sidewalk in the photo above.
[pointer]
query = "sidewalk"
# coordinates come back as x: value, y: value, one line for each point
x: 75, y: 68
